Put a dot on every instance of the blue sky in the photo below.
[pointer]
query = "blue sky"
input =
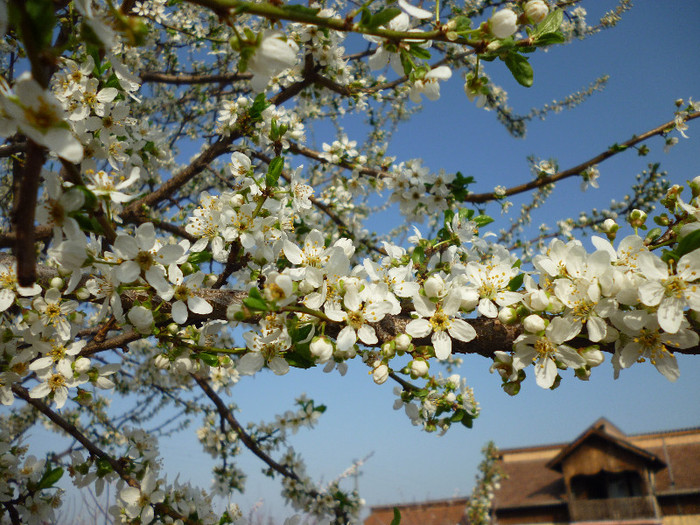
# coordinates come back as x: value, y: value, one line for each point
x: 652, y: 60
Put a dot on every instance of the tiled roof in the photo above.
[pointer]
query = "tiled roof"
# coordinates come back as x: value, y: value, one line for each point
x: 531, y: 483
x: 439, y: 512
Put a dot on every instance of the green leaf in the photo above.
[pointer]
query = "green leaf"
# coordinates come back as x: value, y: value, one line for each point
x: 406, y: 62
x: 50, y: 477
x: 653, y: 233
x: 36, y: 17
x: 259, y: 105
x: 516, y: 282
x: 301, y: 9
x: 467, y: 420
x: 273, y: 172
x: 86, y: 223
x: 419, y: 52
x: 103, y: 467
x: 300, y: 357
x: 365, y: 16
x: 200, y: 257
x: 463, y: 23
x: 299, y: 333
x: 397, y: 517
x: 90, y: 198
x: 382, y: 18
x: 482, y: 220
x: 688, y: 243
x: 255, y: 301
x: 520, y: 69
x: 550, y: 24
x: 418, y: 255
x: 210, y: 359
x: 549, y: 39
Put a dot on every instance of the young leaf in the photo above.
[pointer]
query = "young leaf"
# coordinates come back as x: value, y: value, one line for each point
x: 50, y: 477
x: 210, y: 359
x: 520, y: 68
x: 550, y: 24
x: 516, y: 282
x: 255, y: 301
x: 273, y: 172
x: 688, y: 243
x: 382, y: 18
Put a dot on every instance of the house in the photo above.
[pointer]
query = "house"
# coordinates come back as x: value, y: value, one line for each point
x: 602, y: 476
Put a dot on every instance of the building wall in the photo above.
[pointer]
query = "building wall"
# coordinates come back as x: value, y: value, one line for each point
x: 693, y: 519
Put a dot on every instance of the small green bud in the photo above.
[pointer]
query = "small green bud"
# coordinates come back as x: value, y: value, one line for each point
x: 637, y: 218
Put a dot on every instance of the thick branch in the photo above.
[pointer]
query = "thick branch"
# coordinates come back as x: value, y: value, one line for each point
x: 191, y: 78
x: 23, y: 214
x: 491, y: 334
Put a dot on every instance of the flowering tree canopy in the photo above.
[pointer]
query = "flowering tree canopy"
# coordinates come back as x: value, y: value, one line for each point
x: 166, y: 229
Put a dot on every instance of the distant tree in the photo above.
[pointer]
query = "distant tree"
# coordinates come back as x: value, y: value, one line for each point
x: 488, y: 481
x: 154, y: 202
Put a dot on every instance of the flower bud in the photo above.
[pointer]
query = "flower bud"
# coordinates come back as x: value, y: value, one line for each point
x: 380, y: 374
x: 450, y: 397
x: 56, y: 282
x: 637, y: 218
x: 470, y: 300
x: 82, y: 294
x: 162, y: 362
x: 534, y: 324
x: 403, y: 341
x: 695, y: 186
x: 321, y: 348
x: 237, y: 200
x: 419, y: 367
x: 388, y: 350
x: 503, y: 23
x: 536, y: 11
x: 609, y: 225
x: 593, y: 356
x: 507, y: 315
x: 434, y: 287
x: 81, y: 365
x: 538, y: 300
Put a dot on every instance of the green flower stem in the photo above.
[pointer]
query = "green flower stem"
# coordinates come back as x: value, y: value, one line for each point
x: 201, y: 348
x: 305, y: 310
